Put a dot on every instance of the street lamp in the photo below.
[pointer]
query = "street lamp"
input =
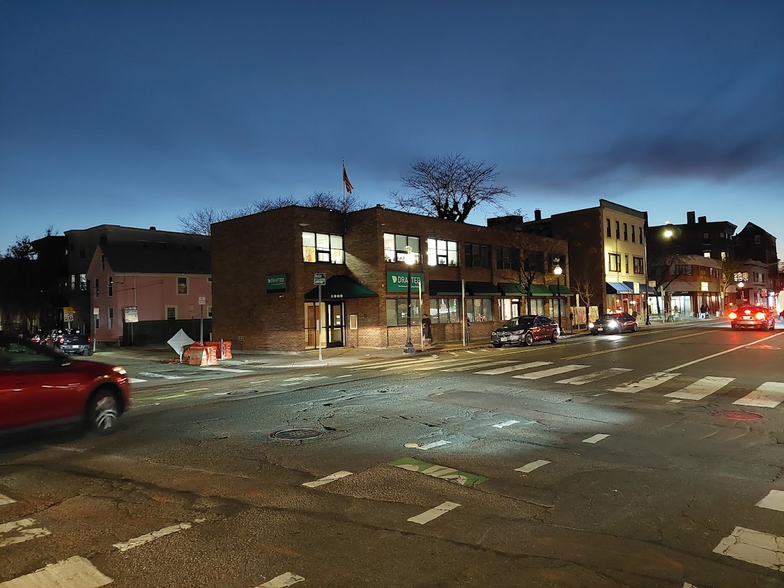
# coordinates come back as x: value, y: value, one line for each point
x: 557, y: 270
x: 409, y: 259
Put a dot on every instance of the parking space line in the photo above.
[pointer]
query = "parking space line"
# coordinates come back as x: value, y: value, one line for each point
x: 433, y: 513
x: 74, y: 572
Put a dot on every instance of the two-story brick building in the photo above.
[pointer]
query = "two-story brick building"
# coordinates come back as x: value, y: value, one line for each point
x: 265, y: 267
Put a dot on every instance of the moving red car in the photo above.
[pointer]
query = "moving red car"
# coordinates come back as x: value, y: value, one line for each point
x: 753, y: 317
x: 39, y: 387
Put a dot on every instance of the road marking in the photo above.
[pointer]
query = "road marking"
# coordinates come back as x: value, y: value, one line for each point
x: 594, y: 376
x: 142, y: 540
x: 344, y: 376
x: 433, y: 445
x: 388, y: 363
x: 701, y: 388
x: 683, y: 365
x: 774, y: 501
x: 197, y: 390
x: 616, y: 349
x: 433, y: 513
x: 282, y: 581
x: 477, y: 365
x: 596, y: 438
x: 551, y: 372
x: 514, y: 368
x: 6, y: 500
x: 529, y: 467
x: 327, y: 479
x: 449, y: 363
x: 74, y: 572
x: 26, y: 533
x: 302, y: 380
x: 164, y: 376
x: 769, y: 395
x: 505, y: 424
x: 674, y: 401
x: 754, y: 547
x: 653, y: 380
x: 227, y: 370
x: 136, y: 380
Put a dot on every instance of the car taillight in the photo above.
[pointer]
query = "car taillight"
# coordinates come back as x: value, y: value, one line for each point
x: 760, y: 316
x: 89, y: 339
x: 733, y: 315
x: 60, y: 339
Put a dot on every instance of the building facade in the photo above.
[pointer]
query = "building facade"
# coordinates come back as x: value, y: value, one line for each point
x: 370, y: 263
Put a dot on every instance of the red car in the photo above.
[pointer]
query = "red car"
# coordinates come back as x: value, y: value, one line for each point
x: 39, y: 387
x: 753, y: 317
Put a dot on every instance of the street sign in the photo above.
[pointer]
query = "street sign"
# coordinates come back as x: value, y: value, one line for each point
x: 68, y: 314
x: 202, y: 300
x: 131, y: 314
x: 319, y: 279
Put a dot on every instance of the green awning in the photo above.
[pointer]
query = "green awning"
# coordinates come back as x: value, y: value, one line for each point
x: 445, y: 288
x: 482, y: 289
x: 539, y: 290
x: 509, y: 289
x: 340, y: 287
x: 561, y: 290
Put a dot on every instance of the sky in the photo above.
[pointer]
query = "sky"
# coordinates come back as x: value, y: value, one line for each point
x: 137, y: 112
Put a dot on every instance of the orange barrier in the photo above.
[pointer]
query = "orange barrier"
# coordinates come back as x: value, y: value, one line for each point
x: 222, y: 348
x: 201, y: 355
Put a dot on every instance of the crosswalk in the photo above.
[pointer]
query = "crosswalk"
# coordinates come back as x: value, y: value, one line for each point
x: 764, y: 395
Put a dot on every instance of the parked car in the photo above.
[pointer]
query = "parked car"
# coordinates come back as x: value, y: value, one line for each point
x: 753, y: 317
x: 68, y: 342
x: 39, y: 386
x: 619, y: 322
x: 525, y: 330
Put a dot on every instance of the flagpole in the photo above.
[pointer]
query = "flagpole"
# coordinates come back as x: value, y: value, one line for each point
x: 343, y: 181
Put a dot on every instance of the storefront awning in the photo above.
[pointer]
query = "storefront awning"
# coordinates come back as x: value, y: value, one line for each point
x: 445, y: 288
x: 618, y: 288
x: 561, y: 290
x: 509, y: 289
x: 648, y: 289
x: 482, y: 289
x: 539, y: 290
x: 340, y: 287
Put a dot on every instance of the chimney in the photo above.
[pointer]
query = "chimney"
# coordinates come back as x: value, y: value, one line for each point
x: 537, y: 214
x: 702, y: 220
x: 153, y: 228
x: 690, y: 217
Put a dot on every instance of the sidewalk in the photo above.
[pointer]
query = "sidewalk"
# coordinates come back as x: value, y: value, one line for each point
x: 341, y: 355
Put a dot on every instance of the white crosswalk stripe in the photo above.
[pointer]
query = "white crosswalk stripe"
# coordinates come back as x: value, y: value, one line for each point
x: 465, y: 368
x: 701, y: 388
x: 769, y: 395
x: 551, y: 372
x: 594, y: 376
x: 449, y: 363
x: 653, y: 380
x: 514, y: 368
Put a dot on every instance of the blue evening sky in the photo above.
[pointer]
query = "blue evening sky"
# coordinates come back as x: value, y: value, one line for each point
x: 135, y: 112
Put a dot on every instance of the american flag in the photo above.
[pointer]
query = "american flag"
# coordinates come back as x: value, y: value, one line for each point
x: 346, y: 182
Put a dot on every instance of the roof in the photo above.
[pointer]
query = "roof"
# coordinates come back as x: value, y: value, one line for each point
x: 133, y: 259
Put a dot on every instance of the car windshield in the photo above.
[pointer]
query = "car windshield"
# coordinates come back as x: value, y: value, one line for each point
x: 519, y: 323
x: 609, y: 317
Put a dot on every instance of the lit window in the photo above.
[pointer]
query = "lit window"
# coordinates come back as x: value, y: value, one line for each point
x: 441, y: 252
x: 444, y: 310
x: 322, y: 247
x: 397, y: 309
x: 396, y: 247
x: 182, y: 285
x: 614, y: 262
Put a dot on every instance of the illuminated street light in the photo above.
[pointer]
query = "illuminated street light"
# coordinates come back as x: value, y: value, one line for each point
x: 410, y: 258
x: 557, y: 270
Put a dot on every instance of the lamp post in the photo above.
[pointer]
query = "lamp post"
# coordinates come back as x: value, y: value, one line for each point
x: 409, y: 347
x: 558, y: 270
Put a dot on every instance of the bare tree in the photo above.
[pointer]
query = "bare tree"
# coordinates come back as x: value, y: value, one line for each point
x: 449, y: 187
x: 667, y: 269
x: 198, y: 222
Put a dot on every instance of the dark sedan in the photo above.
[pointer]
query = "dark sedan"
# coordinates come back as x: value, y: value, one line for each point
x: 525, y: 330
x: 620, y: 322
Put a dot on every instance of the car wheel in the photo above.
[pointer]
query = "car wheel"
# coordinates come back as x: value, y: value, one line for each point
x: 103, y: 412
x: 554, y: 337
x: 634, y: 328
x: 734, y: 327
x: 497, y: 345
x: 85, y: 352
x: 528, y: 339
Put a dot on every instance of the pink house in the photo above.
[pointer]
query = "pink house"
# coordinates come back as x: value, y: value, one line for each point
x: 141, y: 294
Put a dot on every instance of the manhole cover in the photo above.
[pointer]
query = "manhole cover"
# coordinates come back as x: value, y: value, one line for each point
x: 297, y: 434
x: 736, y: 415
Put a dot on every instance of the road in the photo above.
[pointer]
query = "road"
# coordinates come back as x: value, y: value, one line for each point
x: 647, y: 460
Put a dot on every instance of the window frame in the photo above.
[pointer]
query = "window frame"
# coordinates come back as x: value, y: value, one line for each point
x: 444, y: 252
x: 399, y: 310
x: 179, y: 282
x: 325, y: 248
x: 614, y: 257
x: 638, y: 265
x: 483, y: 256
x: 392, y: 247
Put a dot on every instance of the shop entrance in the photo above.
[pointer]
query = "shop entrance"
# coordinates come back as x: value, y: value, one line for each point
x: 333, y: 329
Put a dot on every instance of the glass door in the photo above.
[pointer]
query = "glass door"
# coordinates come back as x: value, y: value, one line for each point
x: 336, y: 326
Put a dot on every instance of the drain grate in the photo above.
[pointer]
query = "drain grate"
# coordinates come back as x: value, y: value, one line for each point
x: 296, y: 434
x: 738, y: 415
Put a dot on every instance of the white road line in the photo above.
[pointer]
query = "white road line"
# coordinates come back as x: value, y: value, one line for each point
x: 701, y: 388
x: 514, y: 368
x: 477, y: 365
x: 433, y: 513
x: 302, y: 380
x: 774, y: 501
x: 769, y: 395
x: 227, y: 370
x: 327, y: 479
x: 282, y: 581
x: 6, y: 500
x: 164, y: 376
x: 551, y: 372
x: 196, y: 390
x: 388, y: 363
x: 125, y: 546
x: 754, y: 547
x: 596, y: 438
x: 433, y: 445
x: 594, y: 376
x: 683, y: 365
x: 136, y: 380
x: 344, y: 376
x: 653, y: 380
x: 529, y: 467
x: 505, y: 424
x: 25, y: 532
x: 74, y: 572
x: 627, y: 347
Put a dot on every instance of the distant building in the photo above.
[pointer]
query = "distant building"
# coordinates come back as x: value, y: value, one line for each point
x: 758, y: 264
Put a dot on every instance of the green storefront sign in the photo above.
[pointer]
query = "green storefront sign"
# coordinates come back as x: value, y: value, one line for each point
x: 398, y: 282
x: 276, y: 282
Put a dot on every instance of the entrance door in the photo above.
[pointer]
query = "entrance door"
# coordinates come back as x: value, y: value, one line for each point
x: 336, y: 327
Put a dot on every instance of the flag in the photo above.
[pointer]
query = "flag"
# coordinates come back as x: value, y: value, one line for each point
x: 346, y: 182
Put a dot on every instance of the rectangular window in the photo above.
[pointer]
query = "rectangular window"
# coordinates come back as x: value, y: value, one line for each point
x: 444, y: 310
x: 83, y: 282
x: 73, y: 282
x: 634, y: 234
x: 757, y: 240
x: 479, y: 310
x: 397, y: 308
x: 97, y: 287
x: 209, y: 312
x: 110, y: 287
x: 614, y: 262
x: 477, y: 255
x: 640, y: 234
x: 626, y: 263
x: 171, y: 313
x: 706, y: 254
x: 395, y: 247
x: 706, y: 236
x: 103, y: 262
x: 609, y: 230
x: 441, y: 252
x: 507, y: 258
x: 638, y: 265
x: 182, y: 285
x: 110, y: 317
x: 625, y: 232
x: 322, y: 247
x: 682, y: 270
x: 617, y: 229
x: 96, y: 319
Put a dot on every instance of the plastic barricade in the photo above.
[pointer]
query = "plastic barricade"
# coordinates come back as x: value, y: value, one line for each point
x: 222, y: 348
x: 201, y: 355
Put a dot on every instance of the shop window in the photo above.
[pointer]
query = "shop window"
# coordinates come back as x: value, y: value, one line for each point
x: 614, y: 262
x: 477, y: 255
x: 479, y: 310
x: 182, y: 285
x: 322, y: 247
x: 441, y: 252
x: 397, y: 309
x: 396, y: 247
x: 444, y: 310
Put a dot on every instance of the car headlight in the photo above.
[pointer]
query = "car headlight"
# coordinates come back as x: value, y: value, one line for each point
x: 613, y: 324
x: 119, y: 370
x: 591, y: 325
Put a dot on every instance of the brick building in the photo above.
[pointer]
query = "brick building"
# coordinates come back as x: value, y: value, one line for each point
x: 264, y: 267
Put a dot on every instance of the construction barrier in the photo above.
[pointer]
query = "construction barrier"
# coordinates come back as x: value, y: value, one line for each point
x: 222, y: 348
x: 201, y: 355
